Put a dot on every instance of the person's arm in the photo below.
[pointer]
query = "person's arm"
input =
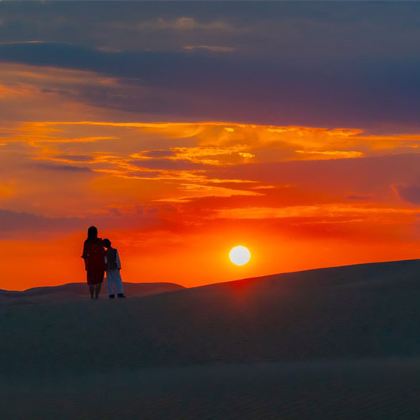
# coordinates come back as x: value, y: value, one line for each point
x: 118, y: 260
x: 85, y: 255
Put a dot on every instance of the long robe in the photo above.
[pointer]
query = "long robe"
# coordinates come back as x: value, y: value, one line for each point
x: 94, y: 256
x: 113, y: 275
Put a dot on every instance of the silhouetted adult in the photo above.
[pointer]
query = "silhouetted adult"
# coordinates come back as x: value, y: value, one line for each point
x: 94, y: 257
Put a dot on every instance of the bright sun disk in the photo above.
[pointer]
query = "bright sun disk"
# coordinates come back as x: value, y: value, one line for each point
x: 239, y: 255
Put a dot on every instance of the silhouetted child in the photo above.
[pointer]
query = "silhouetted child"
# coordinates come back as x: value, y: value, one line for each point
x: 113, y: 267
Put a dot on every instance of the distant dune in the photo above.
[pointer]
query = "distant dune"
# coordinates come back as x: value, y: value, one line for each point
x: 80, y: 290
x: 342, y: 339
x: 359, y: 311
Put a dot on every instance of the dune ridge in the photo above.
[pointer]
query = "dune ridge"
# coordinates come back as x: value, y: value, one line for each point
x: 79, y: 290
x: 337, y: 343
x: 363, y: 311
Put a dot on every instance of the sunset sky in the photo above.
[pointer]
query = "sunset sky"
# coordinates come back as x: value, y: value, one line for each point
x: 183, y: 129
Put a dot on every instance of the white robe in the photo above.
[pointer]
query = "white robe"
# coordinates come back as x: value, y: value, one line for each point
x: 113, y: 278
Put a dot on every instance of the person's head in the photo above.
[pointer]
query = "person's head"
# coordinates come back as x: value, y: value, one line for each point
x: 92, y: 233
x: 107, y: 243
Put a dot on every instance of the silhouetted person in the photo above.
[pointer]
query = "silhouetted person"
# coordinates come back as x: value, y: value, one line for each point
x: 94, y: 257
x: 113, y: 267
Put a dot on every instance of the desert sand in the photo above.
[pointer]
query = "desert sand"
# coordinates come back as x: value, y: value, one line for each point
x: 77, y: 291
x: 337, y: 343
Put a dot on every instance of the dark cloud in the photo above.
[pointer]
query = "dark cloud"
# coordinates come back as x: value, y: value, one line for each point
x: 27, y: 223
x: 168, y: 164
x: 330, y: 92
x: 158, y: 153
x: 63, y: 167
x: 27, y: 226
x: 409, y: 193
x: 263, y: 27
x: 75, y: 158
x: 289, y: 62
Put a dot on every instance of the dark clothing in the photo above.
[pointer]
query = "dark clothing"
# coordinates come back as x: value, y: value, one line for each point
x: 94, y: 256
x: 111, y: 259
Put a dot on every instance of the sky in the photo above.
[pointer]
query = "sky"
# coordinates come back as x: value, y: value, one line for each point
x: 181, y: 129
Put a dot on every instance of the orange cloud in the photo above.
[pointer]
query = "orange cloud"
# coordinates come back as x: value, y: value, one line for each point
x: 326, y: 211
x: 186, y: 191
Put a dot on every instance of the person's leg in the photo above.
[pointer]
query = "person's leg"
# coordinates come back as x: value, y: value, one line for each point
x: 111, y: 284
x: 119, y: 285
x: 99, y: 277
x: 97, y: 290
x: 91, y: 290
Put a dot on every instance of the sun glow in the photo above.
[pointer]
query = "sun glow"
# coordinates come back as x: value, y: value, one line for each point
x: 239, y: 255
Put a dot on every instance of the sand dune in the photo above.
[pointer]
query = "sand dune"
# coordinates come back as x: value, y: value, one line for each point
x: 329, y: 335
x: 77, y: 291
x: 360, y: 390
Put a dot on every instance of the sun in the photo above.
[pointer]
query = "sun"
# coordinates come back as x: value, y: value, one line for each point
x: 239, y: 255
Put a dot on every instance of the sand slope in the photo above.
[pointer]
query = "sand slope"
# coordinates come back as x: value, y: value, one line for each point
x: 329, y: 337
x: 365, y: 390
x: 77, y: 291
x: 352, y: 312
